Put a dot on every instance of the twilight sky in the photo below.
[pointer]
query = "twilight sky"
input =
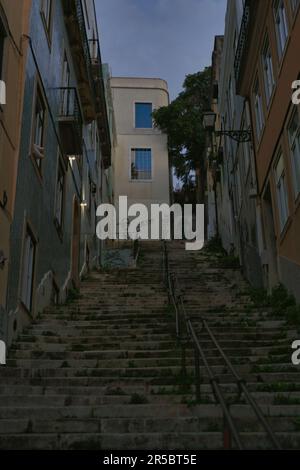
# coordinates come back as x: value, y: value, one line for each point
x: 159, y: 38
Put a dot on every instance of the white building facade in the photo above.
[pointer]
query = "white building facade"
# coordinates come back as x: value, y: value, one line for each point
x: 141, y: 161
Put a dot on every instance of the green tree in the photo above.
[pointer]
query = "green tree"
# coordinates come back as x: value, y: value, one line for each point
x: 182, y: 122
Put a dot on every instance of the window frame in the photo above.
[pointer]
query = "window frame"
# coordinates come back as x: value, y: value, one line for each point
x: 295, y: 6
x: 280, y: 183
x: 38, y: 94
x: 138, y: 180
x: 47, y: 22
x: 277, y: 6
x: 259, y: 117
x: 28, y: 306
x: 59, y: 224
x: 135, y: 114
x: 3, y: 36
x: 267, y: 53
x: 89, y: 195
x: 294, y: 142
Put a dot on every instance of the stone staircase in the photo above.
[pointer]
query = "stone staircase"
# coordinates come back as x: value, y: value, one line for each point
x: 105, y: 371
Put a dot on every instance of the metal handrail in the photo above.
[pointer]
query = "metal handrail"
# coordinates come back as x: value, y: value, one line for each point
x: 171, y: 282
x: 242, y: 385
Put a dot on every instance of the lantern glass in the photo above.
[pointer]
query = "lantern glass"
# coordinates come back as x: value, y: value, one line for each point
x: 209, y: 120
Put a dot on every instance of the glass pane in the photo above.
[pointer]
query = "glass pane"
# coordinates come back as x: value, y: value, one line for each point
x: 293, y: 129
x: 143, y: 115
x: 141, y: 164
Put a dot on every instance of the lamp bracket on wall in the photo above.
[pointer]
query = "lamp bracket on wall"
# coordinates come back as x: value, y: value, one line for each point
x: 238, y: 136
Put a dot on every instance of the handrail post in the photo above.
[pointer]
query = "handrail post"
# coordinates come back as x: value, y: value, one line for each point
x: 227, y: 440
x: 166, y: 262
x: 183, y: 359
x: 197, y: 375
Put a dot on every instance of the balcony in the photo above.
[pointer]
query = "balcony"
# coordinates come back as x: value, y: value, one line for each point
x: 70, y: 121
x: 75, y: 24
x: 249, y: 20
x: 242, y: 41
x: 100, y: 100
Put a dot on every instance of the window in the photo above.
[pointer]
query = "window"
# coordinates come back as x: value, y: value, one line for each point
x: 60, y: 191
x: 294, y: 139
x: 259, y: 115
x: 86, y: 14
x: 141, y: 164
x: 46, y: 11
x: 28, y: 270
x: 246, y: 151
x: 39, y: 128
x: 89, y: 194
x: 230, y: 97
x: 280, y: 25
x: 295, y: 4
x: 143, y: 115
x: 268, y: 70
x: 282, y: 197
x: 2, y: 41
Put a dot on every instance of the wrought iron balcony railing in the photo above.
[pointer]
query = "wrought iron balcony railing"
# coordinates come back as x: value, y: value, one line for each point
x: 241, y: 46
x: 89, y: 72
x: 94, y: 52
x: 75, y: 22
x: 101, y: 104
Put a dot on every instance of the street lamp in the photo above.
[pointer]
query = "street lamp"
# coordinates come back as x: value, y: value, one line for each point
x: 209, y: 123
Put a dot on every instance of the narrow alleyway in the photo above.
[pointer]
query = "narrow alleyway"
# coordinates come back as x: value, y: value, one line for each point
x: 104, y: 371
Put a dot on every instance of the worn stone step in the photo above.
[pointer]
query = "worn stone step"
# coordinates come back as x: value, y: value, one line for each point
x: 94, y: 441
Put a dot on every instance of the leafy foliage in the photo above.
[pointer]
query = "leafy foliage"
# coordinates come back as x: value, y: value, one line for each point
x: 182, y: 122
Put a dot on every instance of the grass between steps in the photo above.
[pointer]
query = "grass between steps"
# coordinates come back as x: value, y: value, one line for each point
x: 281, y: 303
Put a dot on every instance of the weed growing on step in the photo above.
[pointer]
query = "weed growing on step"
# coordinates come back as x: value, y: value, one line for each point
x: 137, y: 399
x: 65, y: 364
x: 115, y: 391
x: 259, y: 297
x: 29, y: 428
x: 273, y: 368
x: 214, y: 427
x: 296, y: 423
x: 285, y: 400
x: 230, y: 262
x: 29, y: 339
x: 278, y: 387
x: 190, y: 402
x: 184, y: 382
x: 73, y: 294
x: 218, y: 309
x: 37, y: 354
x: 77, y: 347
x: 214, y: 246
x: 280, y: 302
x: 68, y: 401
x: 169, y: 310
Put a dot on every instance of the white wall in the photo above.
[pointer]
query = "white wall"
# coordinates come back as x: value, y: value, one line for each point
x: 127, y: 91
